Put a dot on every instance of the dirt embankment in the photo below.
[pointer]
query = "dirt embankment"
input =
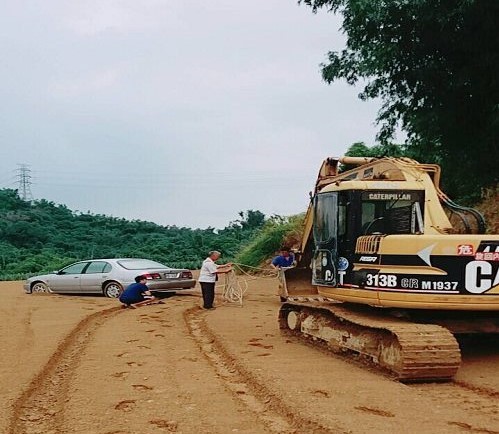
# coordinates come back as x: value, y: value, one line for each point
x: 489, y: 207
x: 79, y: 364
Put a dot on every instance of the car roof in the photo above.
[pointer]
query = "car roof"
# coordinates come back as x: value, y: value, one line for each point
x: 115, y: 259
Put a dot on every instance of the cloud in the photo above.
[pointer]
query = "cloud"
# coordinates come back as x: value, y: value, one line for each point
x: 149, y: 109
x: 74, y: 86
x: 93, y: 17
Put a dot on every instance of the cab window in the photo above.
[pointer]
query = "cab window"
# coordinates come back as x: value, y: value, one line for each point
x: 343, y: 224
x: 392, y: 212
x: 325, y: 220
x: 368, y: 213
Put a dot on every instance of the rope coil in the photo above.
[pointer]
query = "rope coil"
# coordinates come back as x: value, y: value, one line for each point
x: 235, y: 287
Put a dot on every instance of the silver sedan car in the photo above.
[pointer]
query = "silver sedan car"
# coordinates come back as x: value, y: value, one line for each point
x: 110, y: 277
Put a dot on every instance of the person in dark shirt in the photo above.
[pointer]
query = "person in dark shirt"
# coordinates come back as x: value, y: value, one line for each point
x: 137, y: 294
x: 284, y: 259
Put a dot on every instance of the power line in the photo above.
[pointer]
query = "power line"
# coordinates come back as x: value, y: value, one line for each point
x: 10, y: 181
x: 24, y: 182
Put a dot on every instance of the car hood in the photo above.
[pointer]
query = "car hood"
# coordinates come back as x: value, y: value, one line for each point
x: 42, y: 277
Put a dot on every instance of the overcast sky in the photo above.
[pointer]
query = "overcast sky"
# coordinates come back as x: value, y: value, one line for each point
x: 180, y: 112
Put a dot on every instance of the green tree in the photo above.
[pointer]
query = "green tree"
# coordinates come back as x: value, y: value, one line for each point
x: 360, y: 149
x: 42, y: 236
x: 435, y: 65
x: 24, y: 234
x: 251, y: 219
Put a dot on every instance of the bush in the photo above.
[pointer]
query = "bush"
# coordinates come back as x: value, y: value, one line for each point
x: 276, y: 233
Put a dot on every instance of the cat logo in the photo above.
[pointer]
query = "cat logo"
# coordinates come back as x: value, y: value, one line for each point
x: 480, y: 277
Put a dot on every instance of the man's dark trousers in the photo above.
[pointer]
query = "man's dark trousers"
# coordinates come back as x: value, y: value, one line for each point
x: 208, y: 289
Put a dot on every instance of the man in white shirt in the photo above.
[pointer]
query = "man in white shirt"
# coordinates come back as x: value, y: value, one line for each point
x: 209, y: 275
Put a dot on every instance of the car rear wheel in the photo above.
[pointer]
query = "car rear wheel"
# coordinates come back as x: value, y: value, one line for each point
x: 112, y: 289
x: 39, y: 287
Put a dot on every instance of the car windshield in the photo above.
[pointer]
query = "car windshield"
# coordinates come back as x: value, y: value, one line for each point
x: 140, y: 264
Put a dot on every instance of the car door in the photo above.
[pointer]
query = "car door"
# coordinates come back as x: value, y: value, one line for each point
x: 68, y: 279
x: 94, y: 276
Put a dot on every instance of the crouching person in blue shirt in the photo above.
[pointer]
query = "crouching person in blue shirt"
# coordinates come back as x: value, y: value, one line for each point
x: 284, y: 260
x: 137, y: 294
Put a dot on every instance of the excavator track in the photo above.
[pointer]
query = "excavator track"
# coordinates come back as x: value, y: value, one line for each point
x: 409, y: 351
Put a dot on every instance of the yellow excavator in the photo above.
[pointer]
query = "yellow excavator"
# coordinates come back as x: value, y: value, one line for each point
x: 390, y: 270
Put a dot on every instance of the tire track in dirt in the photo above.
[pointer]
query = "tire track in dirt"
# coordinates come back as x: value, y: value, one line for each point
x: 480, y: 390
x: 265, y: 403
x: 40, y: 408
x: 25, y: 344
x: 483, y: 402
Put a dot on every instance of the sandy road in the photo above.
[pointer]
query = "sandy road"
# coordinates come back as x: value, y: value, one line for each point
x: 78, y: 364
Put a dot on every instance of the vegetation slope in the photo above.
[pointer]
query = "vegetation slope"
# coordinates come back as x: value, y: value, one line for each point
x: 43, y: 236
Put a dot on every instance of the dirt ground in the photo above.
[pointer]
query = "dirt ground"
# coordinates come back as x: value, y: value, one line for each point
x: 80, y: 364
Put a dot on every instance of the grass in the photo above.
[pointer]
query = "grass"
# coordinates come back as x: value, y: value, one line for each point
x: 277, y: 232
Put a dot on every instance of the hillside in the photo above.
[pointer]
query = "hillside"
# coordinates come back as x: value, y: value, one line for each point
x: 43, y: 236
x: 489, y: 207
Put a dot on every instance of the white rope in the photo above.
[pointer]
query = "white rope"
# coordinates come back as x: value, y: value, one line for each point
x: 235, y: 287
x: 263, y: 273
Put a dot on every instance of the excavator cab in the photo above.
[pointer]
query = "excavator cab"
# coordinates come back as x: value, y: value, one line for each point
x: 340, y: 218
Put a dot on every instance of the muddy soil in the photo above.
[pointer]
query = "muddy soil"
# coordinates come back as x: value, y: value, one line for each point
x: 81, y: 364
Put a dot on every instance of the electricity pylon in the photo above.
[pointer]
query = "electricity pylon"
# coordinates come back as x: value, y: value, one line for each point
x: 24, y: 182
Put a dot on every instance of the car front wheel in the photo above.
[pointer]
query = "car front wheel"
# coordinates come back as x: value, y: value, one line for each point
x: 39, y: 287
x: 112, y: 289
